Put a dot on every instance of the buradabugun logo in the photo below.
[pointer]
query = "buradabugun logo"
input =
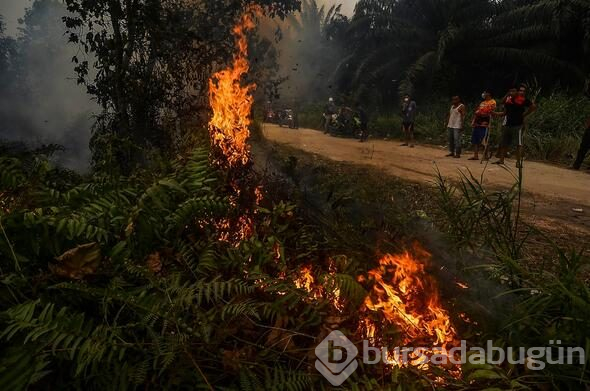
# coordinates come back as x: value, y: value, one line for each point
x: 336, y: 358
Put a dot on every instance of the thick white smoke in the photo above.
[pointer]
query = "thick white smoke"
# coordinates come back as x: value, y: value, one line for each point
x: 46, y: 105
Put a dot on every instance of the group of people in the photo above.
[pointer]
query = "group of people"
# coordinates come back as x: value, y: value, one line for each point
x: 516, y: 107
x: 513, y: 110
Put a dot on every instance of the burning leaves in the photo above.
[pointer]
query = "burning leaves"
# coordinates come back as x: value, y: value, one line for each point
x: 231, y: 105
x: 401, y: 295
x: 404, y: 296
x: 402, y: 306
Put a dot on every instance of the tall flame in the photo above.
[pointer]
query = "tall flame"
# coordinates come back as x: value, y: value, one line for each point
x: 231, y: 102
x: 231, y: 105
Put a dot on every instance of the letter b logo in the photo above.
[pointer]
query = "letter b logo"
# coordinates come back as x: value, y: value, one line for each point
x: 336, y: 358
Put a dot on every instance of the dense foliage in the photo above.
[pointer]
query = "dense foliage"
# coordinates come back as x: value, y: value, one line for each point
x: 126, y: 283
x: 459, y: 46
x: 131, y: 277
x: 149, y: 60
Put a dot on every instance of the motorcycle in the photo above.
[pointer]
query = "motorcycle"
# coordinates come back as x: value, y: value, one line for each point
x: 344, y: 124
x: 288, y: 118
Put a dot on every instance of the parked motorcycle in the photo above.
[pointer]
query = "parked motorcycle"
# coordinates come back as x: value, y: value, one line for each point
x: 344, y: 124
x: 288, y: 118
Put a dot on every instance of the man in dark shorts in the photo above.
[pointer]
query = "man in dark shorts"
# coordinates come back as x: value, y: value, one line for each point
x: 584, y: 148
x: 516, y: 108
x: 364, y: 121
x: 408, y: 118
x: 481, y: 122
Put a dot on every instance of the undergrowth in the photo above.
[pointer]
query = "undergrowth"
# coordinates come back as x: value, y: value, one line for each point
x: 111, y: 282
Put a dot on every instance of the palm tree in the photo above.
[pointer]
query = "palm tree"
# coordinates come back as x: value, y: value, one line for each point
x: 453, y: 42
x: 313, y: 20
x: 311, y: 49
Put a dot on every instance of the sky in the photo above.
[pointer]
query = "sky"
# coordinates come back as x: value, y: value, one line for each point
x: 11, y: 10
x: 347, y: 5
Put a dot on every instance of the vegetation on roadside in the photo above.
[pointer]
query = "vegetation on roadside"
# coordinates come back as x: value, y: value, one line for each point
x: 516, y: 296
x: 128, y: 283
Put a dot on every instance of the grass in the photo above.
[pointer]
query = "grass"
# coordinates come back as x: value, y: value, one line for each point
x: 527, y: 287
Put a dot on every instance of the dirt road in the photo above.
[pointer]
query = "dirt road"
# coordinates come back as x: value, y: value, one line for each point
x: 419, y: 163
x: 557, y: 200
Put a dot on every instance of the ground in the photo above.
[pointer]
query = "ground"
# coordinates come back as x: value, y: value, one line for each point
x: 556, y: 199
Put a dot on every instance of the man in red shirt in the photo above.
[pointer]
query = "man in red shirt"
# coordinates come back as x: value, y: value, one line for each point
x: 481, y: 123
x: 516, y: 108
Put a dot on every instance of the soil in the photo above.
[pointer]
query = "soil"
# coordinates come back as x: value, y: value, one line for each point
x: 557, y: 200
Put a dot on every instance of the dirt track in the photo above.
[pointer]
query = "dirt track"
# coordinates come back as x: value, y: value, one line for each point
x: 554, y: 192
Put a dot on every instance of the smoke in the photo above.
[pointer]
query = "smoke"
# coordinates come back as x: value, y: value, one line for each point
x: 40, y: 102
x: 309, y: 49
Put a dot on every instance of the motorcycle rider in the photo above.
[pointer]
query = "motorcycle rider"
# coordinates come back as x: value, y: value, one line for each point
x: 329, y: 110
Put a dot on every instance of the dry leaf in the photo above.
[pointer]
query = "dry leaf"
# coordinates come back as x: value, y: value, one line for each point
x: 78, y: 262
x: 154, y: 263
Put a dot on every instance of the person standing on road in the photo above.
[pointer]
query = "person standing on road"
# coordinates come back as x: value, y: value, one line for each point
x: 329, y: 111
x: 481, y: 122
x: 408, y: 117
x: 584, y: 148
x: 363, y: 121
x: 516, y: 108
x: 455, y: 121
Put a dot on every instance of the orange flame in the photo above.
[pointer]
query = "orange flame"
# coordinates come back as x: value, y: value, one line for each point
x: 323, y: 288
x: 231, y: 105
x: 404, y: 295
x: 231, y: 102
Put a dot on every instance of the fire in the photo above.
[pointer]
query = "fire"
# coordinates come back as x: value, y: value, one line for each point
x: 405, y: 296
x: 402, y: 294
x: 231, y: 102
x: 305, y: 280
x: 322, y: 288
x: 231, y: 106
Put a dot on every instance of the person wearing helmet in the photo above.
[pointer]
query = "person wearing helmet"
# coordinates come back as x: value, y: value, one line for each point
x: 329, y: 111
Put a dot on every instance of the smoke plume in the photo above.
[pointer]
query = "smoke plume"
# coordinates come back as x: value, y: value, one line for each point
x: 40, y: 101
